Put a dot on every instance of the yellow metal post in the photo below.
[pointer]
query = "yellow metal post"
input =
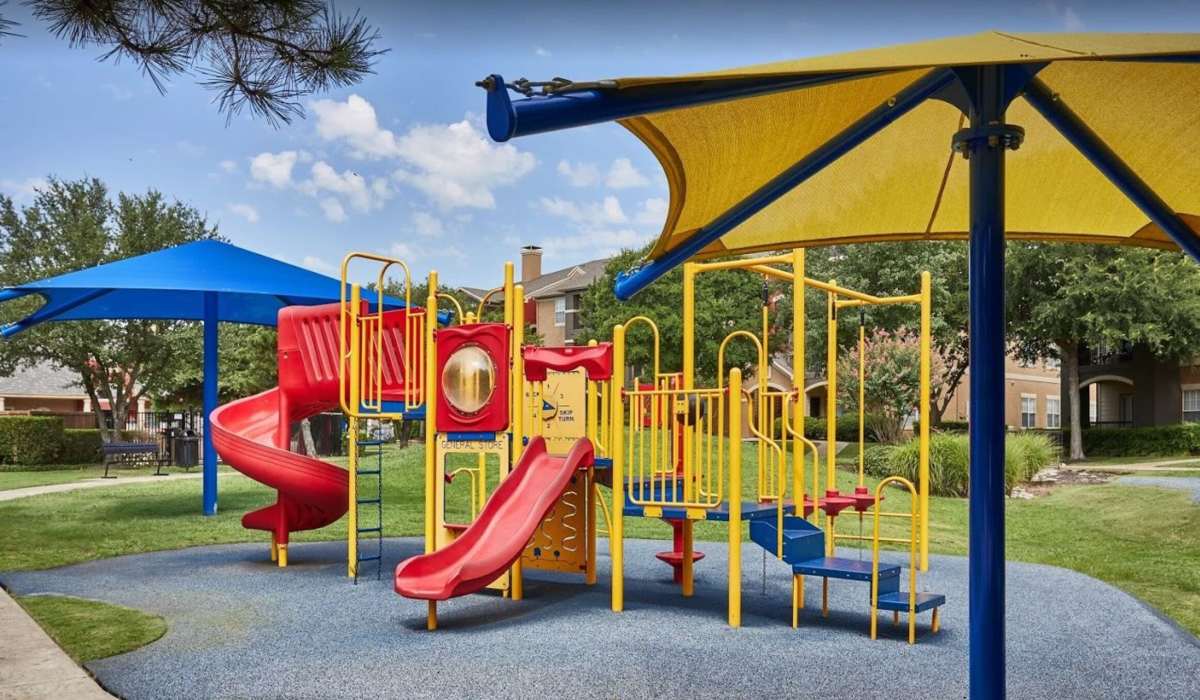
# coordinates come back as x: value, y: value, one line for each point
x: 593, y: 490
x: 352, y: 528
x: 862, y: 397
x: 432, y: 468
x: 432, y: 622
x: 798, y: 381
x: 830, y: 410
x: 924, y: 413
x: 508, y: 293
x: 517, y: 391
x: 616, y: 528
x: 689, y: 383
x: 735, y: 497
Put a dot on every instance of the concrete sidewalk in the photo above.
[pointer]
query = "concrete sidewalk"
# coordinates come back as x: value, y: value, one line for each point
x: 32, y: 665
x: 13, y: 494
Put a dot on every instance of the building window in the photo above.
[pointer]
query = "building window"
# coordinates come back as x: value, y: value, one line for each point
x: 1191, y: 405
x: 1053, y: 412
x: 1028, y: 411
x: 560, y: 311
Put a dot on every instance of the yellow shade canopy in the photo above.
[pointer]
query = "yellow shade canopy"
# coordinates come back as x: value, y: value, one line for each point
x: 1139, y: 93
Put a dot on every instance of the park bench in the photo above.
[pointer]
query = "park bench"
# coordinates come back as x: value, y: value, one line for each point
x: 130, y: 454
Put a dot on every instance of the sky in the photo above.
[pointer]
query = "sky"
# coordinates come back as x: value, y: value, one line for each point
x: 401, y: 163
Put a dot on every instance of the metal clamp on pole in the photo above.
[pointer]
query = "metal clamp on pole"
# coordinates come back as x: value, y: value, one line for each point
x: 1008, y: 136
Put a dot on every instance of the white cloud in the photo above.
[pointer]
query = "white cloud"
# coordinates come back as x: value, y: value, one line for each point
x: 593, y: 243
x: 228, y: 166
x: 274, y: 168
x: 455, y: 165
x: 602, y: 213
x: 579, y: 174
x: 539, y: 51
x: 246, y: 211
x: 333, y: 210
x: 347, y: 183
x: 427, y: 224
x: 354, y: 122
x: 21, y: 190
x: 623, y: 174
x: 652, y: 212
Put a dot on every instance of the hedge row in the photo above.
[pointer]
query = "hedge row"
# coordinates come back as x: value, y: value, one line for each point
x: 1024, y: 455
x: 847, y: 427
x: 39, y: 440
x: 1131, y: 442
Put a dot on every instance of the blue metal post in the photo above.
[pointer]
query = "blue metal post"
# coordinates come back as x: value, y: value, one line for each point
x: 210, y: 401
x: 986, y: 267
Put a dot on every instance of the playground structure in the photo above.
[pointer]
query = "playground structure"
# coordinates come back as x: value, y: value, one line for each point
x: 519, y: 439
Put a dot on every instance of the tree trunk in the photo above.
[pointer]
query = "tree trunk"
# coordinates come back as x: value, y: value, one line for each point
x: 310, y: 447
x: 1070, y: 367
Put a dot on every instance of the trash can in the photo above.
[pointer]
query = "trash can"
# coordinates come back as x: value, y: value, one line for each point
x: 187, y: 451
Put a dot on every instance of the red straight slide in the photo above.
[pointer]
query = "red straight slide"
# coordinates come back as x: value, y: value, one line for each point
x: 253, y: 434
x: 499, y: 535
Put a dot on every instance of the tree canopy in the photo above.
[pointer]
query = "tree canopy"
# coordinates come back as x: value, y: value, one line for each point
x: 73, y: 225
x: 1064, y: 296
x: 264, y: 55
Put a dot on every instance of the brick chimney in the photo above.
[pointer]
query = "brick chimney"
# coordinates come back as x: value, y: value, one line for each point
x: 531, y: 262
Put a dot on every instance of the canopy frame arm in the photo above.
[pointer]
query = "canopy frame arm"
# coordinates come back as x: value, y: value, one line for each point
x: 48, y: 312
x: 1085, y: 140
x: 871, y: 123
x: 594, y: 103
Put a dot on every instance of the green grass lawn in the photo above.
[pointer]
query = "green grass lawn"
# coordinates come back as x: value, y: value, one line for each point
x: 20, y: 479
x: 1137, y: 538
x: 90, y: 629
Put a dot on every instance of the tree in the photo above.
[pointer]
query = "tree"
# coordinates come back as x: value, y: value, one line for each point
x: 1063, y: 296
x: 246, y: 365
x: 892, y: 386
x: 726, y: 301
x: 264, y: 55
x: 894, y: 269
x: 73, y: 225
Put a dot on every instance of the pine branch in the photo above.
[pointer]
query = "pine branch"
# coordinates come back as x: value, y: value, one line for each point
x: 262, y: 56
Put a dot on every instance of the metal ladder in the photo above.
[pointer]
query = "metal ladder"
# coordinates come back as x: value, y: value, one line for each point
x: 373, y: 526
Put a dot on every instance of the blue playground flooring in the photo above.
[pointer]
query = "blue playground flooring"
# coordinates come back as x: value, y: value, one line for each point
x: 241, y: 627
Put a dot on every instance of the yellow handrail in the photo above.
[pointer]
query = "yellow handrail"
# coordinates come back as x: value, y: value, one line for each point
x: 798, y: 459
x: 443, y: 296
x: 483, y: 302
x: 657, y: 343
x: 914, y: 517
x: 781, y: 477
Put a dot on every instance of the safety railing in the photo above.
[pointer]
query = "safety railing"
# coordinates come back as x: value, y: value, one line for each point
x: 379, y: 355
x: 799, y: 445
x: 914, y: 519
x: 675, y: 448
x: 772, y: 471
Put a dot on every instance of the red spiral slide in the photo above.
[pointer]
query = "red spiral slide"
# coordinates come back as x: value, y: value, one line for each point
x: 253, y: 434
x: 499, y: 535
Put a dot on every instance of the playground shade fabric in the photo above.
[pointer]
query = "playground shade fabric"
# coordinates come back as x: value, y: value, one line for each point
x: 172, y: 283
x: 905, y: 182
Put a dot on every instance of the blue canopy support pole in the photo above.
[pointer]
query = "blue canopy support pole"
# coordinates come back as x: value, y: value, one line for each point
x: 987, y: 349
x: 1081, y: 136
x: 211, y: 325
x: 870, y: 124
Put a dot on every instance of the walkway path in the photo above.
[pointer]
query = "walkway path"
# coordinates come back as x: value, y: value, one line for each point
x: 32, y: 666
x: 1163, y: 465
x: 242, y: 627
x: 13, y: 494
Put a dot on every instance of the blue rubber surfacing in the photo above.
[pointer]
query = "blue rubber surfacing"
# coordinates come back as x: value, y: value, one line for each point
x: 241, y: 627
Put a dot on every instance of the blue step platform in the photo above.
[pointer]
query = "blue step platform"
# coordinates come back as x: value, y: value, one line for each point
x: 898, y: 601
x: 802, y: 540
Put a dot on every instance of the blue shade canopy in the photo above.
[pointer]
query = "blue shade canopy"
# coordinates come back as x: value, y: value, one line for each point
x: 170, y: 284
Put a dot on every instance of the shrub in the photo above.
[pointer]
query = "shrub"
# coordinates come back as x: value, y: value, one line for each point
x: 951, y: 426
x: 81, y: 447
x: 30, y: 439
x: 949, y: 460
x: 1130, y: 442
x: 847, y: 427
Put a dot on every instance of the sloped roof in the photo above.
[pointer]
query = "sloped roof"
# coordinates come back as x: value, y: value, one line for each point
x: 42, y: 379
x: 552, y: 284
